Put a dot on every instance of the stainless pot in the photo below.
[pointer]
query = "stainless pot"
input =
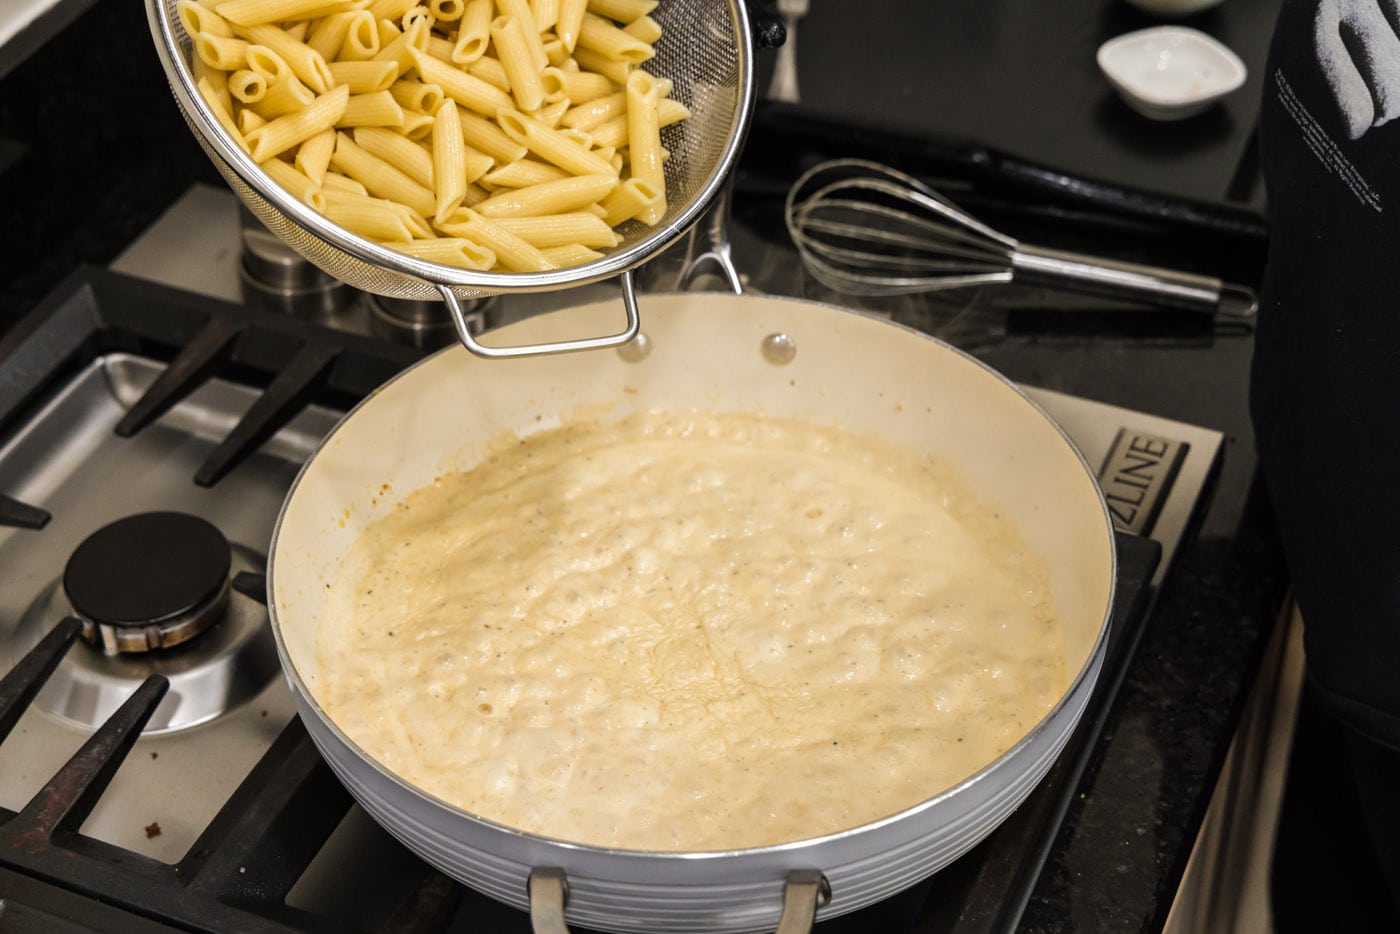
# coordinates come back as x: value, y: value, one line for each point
x: 719, y: 352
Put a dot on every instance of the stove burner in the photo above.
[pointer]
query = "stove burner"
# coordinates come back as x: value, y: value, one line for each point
x: 149, y: 581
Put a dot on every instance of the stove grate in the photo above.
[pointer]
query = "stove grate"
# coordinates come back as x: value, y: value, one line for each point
x: 239, y: 871
x: 97, y: 311
x: 237, y: 875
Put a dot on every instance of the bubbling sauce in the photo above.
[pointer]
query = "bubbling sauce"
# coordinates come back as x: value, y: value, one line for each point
x: 690, y: 631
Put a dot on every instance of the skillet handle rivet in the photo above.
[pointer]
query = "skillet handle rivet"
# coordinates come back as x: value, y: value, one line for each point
x: 779, y: 349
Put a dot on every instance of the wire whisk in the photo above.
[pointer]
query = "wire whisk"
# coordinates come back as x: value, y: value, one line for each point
x: 866, y: 229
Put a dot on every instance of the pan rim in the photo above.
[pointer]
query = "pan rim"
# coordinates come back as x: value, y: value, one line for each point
x: 1088, y: 671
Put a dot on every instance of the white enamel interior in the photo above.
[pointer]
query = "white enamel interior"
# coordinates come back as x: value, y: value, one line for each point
x: 856, y: 371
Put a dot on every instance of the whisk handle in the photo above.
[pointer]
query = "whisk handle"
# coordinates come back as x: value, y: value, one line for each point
x: 1116, y: 279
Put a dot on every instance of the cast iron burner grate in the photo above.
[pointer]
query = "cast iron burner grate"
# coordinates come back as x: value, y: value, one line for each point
x: 237, y: 874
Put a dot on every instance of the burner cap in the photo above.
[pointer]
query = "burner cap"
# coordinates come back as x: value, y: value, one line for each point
x: 152, y: 580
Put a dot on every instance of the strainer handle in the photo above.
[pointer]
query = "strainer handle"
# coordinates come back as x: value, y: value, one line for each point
x: 629, y: 302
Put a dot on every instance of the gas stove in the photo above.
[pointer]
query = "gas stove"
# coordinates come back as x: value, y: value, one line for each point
x: 151, y: 424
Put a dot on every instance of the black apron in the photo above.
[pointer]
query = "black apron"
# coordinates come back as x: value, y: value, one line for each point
x: 1326, y: 376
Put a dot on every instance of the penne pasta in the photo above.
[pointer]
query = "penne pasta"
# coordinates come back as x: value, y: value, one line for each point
x: 596, y: 112
x: 269, y: 65
x: 404, y: 46
x: 399, y: 151
x: 249, y: 120
x: 571, y: 255
x: 416, y: 125
x: 365, y: 77
x: 450, y: 251
x: 440, y: 49
x: 222, y: 52
x: 546, y: 14
x: 614, y: 69
x: 474, y: 33
x: 216, y: 78
x: 447, y: 11
x: 491, y: 71
x: 551, y: 145
x: 390, y: 9
x: 247, y: 86
x: 549, y: 230
x: 474, y: 196
x: 293, y: 129
x: 215, y: 96
x: 310, y: 68
x: 669, y: 111
x: 417, y: 14
x: 201, y: 20
x: 560, y: 196
x: 330, y: 32
x: 570, y: 22
x: 522, y: 173
x: 388, y: 32
x: 377, y: 109
x: 337, y: 182
x: 286, y: 96
x: 610, y: 135
x: 259, y: 12
x: 628, y: 200
x: 644, y: 141
x: 449, y: 161
x: 359, y: 213
x: 361, y: 39
x: 556, y: 53
x: 520, y: 10
x: 379, y: 177
x: 598, y: 35
x: 415, y: 95
x: 306, y: 191
x: 550, y: 114
x: 511, y: 252
x: 482, y: 134
x: 624, y: 11
x: 577, y: 87
x: 313, y: 157
x: 644, y: 29
x: 470, y: 92
x: 508, y: 37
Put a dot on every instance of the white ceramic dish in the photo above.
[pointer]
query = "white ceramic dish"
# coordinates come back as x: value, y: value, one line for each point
x: 1170, y: 72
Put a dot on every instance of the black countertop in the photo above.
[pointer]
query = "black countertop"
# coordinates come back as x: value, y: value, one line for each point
x: 90, y: 156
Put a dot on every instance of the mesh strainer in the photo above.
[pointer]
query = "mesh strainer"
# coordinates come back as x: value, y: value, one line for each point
x: 707, y: 53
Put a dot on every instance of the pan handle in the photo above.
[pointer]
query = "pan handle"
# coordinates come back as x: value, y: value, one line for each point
x: 804, y: 892
x: 548, y: 890
x: 464, y: 334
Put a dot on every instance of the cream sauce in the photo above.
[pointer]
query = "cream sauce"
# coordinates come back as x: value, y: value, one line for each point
x: 690, y: 631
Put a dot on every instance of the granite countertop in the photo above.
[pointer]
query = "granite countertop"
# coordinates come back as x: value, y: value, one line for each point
x: 90, y: 156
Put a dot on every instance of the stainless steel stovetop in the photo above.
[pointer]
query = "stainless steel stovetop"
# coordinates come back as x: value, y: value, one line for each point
x: 69, y: 459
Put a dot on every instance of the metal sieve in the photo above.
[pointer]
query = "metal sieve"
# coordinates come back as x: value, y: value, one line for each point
x: 705, y: 51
